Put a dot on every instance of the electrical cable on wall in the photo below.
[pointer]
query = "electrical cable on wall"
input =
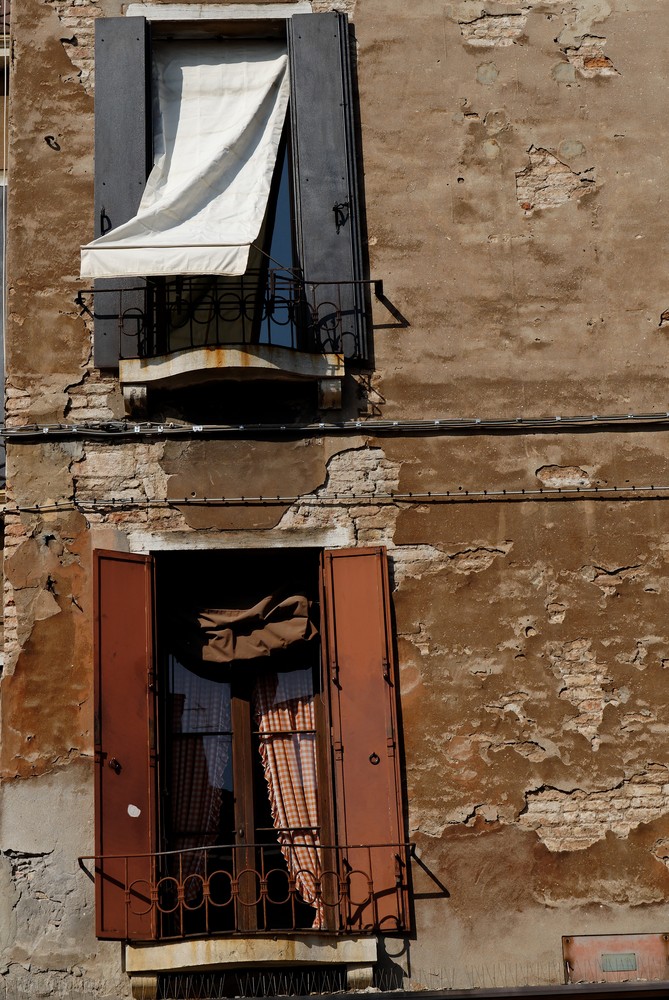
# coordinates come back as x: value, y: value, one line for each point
x: 120, y: 429
x: 458, y: 495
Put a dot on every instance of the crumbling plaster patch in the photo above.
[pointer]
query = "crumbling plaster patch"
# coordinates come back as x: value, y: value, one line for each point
x: 560, y: 476
x: 579, y: 17
x: 586, y: 684
x: 589, y: 60
x: 354, y: 472
x: 94, y: 397
x: 132, y: 472
x: 574, y: 820
x: 341, y: 6
x: 546, y: 182
x: 77, y: 19
x: 417, y: 561
x: 493, y: 30
x: 46, y: 911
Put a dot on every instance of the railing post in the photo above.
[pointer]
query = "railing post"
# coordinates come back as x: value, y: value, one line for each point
x: 127, y: 896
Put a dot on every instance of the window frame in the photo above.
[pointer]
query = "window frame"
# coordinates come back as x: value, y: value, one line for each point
x: 326, y: 193
x: 360, y: 681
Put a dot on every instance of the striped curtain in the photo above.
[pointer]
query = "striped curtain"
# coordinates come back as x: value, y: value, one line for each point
x: 284, y: 711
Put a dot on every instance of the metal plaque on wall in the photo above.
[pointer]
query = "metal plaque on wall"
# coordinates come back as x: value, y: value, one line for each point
x: 615, y: 958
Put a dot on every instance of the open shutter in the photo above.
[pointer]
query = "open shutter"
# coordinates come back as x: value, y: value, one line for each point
x: 325, y: 177
x: 122, y: 162
x: 364, y: 728
x: 124, y: 745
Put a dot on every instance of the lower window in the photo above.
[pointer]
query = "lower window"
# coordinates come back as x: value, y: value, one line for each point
x: 246, y: 743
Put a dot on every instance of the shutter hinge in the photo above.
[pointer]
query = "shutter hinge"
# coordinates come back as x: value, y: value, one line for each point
x: 386, y: 668
x: 338, y: 748
x: 390, y: 746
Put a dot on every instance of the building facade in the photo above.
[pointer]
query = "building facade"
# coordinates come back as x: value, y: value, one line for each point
x: 336, y: 546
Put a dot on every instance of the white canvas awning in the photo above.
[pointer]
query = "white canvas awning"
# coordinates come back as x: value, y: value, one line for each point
x: 219, y: 110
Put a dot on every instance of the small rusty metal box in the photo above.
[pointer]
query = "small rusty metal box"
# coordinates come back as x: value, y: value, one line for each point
x: 615, y: 958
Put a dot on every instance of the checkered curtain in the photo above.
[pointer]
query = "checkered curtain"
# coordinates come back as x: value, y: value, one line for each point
x: 285, y: 702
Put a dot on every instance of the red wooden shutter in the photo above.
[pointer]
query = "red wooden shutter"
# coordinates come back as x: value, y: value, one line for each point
x: 124, y: 745
x: 364, y: 729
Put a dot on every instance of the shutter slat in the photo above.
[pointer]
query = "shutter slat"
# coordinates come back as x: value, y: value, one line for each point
x: 325, y: 174
x: 122, y: 160
x: 364, y: 723
x: 124, y: 729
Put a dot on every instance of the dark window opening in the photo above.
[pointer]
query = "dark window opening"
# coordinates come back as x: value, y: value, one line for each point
x: 240, y: 789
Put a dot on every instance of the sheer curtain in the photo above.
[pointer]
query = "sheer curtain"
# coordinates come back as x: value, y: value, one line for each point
x: 284, y: 703
x: 200, y: 758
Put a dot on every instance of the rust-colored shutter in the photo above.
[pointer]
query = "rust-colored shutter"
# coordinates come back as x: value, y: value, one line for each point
x: 366, y: 762
x: 124, y: 737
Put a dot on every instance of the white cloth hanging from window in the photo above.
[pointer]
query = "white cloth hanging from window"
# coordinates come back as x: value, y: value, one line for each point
x: 219, y: 110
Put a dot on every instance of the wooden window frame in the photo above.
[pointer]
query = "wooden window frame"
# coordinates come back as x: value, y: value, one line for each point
x: 356, y: 663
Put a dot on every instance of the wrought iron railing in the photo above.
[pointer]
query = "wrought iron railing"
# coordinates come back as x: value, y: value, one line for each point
x: 164, y: 315
x: 258, y: 888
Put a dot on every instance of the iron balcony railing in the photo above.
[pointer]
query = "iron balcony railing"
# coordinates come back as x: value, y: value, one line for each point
x: 250, y: 888
x: 162, y: 315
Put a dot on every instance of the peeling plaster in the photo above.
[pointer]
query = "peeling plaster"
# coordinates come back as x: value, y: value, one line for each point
x: 589, y: 59
x: 574, y: 820
x: 358, y: 471
x: 417, y: 561
x: 586, y: 684
x: 77, y: 19
x: 498, y: 30
x: 557, y: 476
x: 546, y: 182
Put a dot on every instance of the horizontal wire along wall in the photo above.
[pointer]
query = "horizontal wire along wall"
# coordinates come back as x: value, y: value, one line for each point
x: 458, y: 495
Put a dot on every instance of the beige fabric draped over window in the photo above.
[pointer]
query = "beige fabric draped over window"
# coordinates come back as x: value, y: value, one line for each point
x: 224, y: 635
x: 219, y: 108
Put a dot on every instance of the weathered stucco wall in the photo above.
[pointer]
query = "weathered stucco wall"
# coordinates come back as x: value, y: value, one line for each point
x: 514, y: 182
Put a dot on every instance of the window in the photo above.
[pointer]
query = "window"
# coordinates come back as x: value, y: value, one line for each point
x: 246, y: 746
x: 319, y: 305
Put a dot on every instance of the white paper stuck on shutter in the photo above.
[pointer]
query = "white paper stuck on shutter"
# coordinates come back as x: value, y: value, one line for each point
x: 219, y: 110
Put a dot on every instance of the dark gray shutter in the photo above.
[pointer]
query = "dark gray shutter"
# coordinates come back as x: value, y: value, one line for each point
x: 325, y: 177
x: 122, y: 162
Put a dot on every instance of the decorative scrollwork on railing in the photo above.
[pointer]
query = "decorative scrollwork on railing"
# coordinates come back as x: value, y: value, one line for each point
x: 231, y: 888
x: 274, y: 308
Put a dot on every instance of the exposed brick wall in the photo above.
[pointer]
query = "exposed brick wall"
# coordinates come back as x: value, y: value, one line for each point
x: 573, y: 821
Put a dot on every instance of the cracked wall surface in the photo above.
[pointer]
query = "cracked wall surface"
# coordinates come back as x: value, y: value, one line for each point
x: 546, y: 182
x: 574, y: 820
x: 515, y: 212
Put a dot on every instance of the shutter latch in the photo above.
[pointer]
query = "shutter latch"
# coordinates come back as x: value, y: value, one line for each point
x: 341, y: 211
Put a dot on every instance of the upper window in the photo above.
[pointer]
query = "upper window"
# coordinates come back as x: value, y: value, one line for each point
x: 247, y: 230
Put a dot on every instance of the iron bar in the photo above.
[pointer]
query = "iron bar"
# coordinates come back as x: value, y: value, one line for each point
x: 211, y: 889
